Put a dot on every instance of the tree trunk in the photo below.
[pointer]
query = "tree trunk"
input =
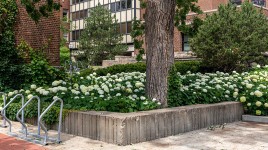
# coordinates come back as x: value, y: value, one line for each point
x: 159, y: 36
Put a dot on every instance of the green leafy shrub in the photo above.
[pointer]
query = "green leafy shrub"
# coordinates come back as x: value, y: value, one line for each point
x: 12, y: 110
x: 136, y: 67
x: 39, y: 71
x: 181, y: 66
x: 174, y: 84
x: 232, y: 38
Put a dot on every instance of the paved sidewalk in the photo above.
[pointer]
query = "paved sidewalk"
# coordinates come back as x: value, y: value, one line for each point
x: 235, y: 136
x: 11, y: 143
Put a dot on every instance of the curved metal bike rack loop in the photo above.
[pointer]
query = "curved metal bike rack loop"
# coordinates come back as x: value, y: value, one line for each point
x: 22, y: 113
x: 58, y: 140
x: 22, y: 108
x: 4, y: 111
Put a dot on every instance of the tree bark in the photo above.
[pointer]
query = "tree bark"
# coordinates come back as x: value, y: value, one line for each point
x: 159, y: 36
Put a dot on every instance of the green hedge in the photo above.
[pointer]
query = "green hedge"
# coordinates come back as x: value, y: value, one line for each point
x: 181, y: 66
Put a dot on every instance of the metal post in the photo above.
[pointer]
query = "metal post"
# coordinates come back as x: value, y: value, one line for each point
x: 58, y: 140
x: 22, y: 108
x: 22, y: 113
x: 4, y: 111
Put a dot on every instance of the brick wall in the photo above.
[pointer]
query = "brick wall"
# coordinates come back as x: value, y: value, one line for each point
x: 46, y: 32
x: 65, y: 6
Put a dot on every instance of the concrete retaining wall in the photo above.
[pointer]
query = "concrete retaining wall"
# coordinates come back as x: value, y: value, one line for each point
x: 128, y: 128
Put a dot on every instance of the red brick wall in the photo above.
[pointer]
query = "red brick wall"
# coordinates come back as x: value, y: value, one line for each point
x: 46, y: 32
x: 65, y: 6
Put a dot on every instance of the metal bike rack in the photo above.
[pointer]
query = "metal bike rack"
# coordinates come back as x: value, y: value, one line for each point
x: 4, y: 111
x: 46, y: 138
x: 23, y: 124
x: 22, y: 113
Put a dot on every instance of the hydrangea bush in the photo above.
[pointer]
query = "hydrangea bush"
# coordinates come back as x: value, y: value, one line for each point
x: 250, y: 88
x: 125, y: 92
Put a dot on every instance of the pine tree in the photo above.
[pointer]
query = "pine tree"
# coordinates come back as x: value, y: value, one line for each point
x: 100, y: 39
x: 232, y: 38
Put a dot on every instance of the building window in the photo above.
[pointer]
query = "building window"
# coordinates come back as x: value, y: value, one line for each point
x: 65, y: 14
x: 129, y: 27
x: 124, y: 27
x: 259, y: 2
x: 121, y: 5
x: 237, y: 2
x: 185, y: 43
x: 78, y: 1
x: 76, y: 34
x: 80, y: 14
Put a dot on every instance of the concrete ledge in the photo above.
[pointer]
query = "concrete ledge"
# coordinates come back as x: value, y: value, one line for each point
x: 251, y: 118
x: 128, y: 128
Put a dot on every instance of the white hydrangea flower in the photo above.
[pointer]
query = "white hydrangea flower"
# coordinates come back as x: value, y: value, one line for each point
x: 145, y: 103
x: 10, y: 94
x: 205, y: 90
x: 100, y: 92
x: 55, y: 83
x: 55, y: 97
x: 258, y: 103
x: 118, y: 94
x: 30, y: 96
x: 249, y: 86
x: 128, y: 90
x: 27, y: 91
x: 258, y: 93
x: 33, y: 86
x: 142, y: 98
x: 243, y: 99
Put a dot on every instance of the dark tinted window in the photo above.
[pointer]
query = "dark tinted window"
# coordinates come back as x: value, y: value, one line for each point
x: 237, y: 2
x: 129, y: 3
x: 113, y: 7
x: 259, y: 2
x: 123, y: 4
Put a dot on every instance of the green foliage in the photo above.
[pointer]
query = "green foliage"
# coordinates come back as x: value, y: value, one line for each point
x: 137, y: 34
x: 181, y: 66
x: 43, y: 9
x: 139, y: 67
x: 87, y: 72
x: 31, y: 111
x: 100, y: 39
x: 183, y: 7
x: 64, y: 55
x: 233, y: 38
x: 38, y: 71
x: 124, y: 105
x: 174, y: 84
x: 11, y: 72
x: 12, y: 110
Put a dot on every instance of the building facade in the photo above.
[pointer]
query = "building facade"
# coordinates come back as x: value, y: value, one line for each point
x: 127, y: 10
x: 124, y: 10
